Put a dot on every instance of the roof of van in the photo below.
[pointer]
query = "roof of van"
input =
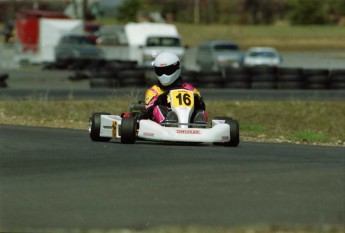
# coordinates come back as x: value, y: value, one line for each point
x: 137, y: 33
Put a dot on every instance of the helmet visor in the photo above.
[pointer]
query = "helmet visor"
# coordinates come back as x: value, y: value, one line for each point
x: 167, y: 70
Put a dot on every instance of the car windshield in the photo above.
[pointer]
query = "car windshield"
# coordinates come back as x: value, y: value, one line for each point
x: 163, y: 41
x: 78, y: 40
x: 266, y: 54
x: 226, y: 47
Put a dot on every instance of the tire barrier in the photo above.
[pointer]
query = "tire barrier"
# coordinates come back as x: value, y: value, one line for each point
x: 258, y: 78
x: 131, y: 78
x: 209, y: 79
x: 337, y: 79
x: 289, y: 78
x: 3, y: 78
x: 114, y: 73
x: 315, y: 78
x: 237, y: 78
x: 262, y: 77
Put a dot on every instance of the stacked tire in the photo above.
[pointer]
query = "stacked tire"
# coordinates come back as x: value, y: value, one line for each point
x: 3, y: 78
x: 190, y: 76
x: 106, y: 74
x: 337, y: 79
x: 210, y: 79
x: 263, y: 77
x: 236, y: 78
x: 103, y: 78
x: 131, y: 78
x: 289, y: 78
x: 316, y: 78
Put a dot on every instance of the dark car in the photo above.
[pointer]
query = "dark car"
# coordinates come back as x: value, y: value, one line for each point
x: 216, y: 55
x: 73, y: 47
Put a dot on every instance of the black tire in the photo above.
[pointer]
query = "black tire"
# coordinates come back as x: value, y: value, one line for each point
x: 3, y: 84
x: 189, y: 76
x: 210, y: 79
x: 337, y: 85
x: 289, y: 85
x: 234, y: 132
x: 150, y: 77
x: 128, y: 130
x: 263, y: 77
x: 237, y: 84
x: 236, y: 78
x: 290, y: 71
x: 289, y: 78
x: 290, y: 74
x: 131, y: 78
x: 101, y: 82
x: 95, y: 127
x: 263, y: 85
x: 337, y: 79
x: 103, y: 78
x: 316, y: 78
x: 337, y: 75
x: 3, y: 77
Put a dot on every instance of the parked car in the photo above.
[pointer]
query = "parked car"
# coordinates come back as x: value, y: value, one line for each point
x: 74, y: 47
x: 262, y: 56
x: 216, y: 55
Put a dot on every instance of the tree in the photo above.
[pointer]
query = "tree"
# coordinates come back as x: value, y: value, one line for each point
x: 309, y: 12
x: 129, y: 9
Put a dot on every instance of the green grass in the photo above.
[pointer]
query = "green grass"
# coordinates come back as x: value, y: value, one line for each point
x: 201, y: 229
x: 279, y: 121
x: 282, y: 36
x: 309, y: 136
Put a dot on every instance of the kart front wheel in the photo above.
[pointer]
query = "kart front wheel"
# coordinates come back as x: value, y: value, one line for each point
x: 95, y: 127
x: 128, y: 130
x: 234, y: 131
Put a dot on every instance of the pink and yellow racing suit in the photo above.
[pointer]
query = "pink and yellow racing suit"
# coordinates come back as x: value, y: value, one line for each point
x: 152, y: 94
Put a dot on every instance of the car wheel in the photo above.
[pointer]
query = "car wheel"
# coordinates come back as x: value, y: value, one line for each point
x: 234, y: 131
x: 95, y: 127
x: 128, y: 130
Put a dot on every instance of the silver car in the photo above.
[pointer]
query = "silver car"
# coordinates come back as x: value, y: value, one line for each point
x: 77, y: 47
x: 262, y: 56
x: 216, y: 55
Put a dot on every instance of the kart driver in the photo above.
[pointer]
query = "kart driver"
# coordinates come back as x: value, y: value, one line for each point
x: 167, y: 68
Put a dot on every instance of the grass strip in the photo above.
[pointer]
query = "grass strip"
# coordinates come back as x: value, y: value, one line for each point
x: 199, y: 229
x: 311, y: 122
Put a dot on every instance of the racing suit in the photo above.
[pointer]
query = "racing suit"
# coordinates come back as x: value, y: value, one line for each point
x: 157, y: 106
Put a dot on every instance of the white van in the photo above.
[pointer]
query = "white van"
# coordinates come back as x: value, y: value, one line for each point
x: 140, y: 42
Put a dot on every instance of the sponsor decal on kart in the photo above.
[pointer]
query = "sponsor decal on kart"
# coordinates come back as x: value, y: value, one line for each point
x: 188, y: 131
x: 149, y: 134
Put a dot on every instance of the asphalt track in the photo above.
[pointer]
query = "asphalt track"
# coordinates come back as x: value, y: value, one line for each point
x: 58, y: 178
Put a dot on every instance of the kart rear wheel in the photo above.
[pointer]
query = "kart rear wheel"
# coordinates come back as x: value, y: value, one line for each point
x: 95, y: 127
x: 128, y: 130
x: 234, y: 131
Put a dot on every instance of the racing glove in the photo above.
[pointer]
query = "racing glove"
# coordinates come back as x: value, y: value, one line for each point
x: 199, y: 102
x: 162, y: 100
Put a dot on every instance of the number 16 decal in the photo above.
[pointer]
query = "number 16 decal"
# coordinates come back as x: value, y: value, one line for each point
x: 183, y: 98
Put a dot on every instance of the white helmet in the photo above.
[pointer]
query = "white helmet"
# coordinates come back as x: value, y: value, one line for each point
x: 167, y: 68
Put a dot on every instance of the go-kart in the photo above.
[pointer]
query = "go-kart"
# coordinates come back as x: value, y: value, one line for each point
x: 221, y: 131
